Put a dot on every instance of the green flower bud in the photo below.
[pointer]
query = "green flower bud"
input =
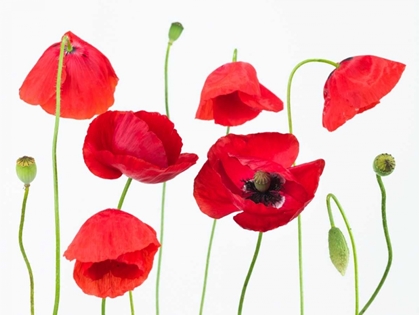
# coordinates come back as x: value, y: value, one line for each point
x: 339, y: 251
x: 26, y: 169
x: 175, y: 31
x: 384, y: 164
x: 262, y: 181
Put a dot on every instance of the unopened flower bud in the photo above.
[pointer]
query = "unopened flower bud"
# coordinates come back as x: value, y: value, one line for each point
x: 175, y: 31
x: 384, y: 164
x: 339, y: 251
x: 26, y: 169
x: 262, y: 181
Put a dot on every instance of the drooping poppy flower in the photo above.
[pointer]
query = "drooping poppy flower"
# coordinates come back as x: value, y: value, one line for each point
x: 88, y: 81
x: 141, y: 145
x: 232, y: 95
x: 114, y: 253
x: 253, y: 175
x: 358, y: 84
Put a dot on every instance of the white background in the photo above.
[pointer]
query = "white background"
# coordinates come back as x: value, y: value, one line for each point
x: 273, y: 36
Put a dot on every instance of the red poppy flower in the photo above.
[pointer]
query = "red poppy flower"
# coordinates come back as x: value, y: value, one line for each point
x: 114, y: 253
x: 253, y: 175
x: 358, y: 84
x: 88, y: 81
x: 232, y: 95
x: 141, y: 145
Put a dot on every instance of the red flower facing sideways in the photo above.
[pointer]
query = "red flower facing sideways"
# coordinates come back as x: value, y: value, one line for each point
x: 253, y: 175
x: 232, y: 95
x: 358, y: 84
x: 114, y: 253
x: 88, y: 81
x: 141, y: 145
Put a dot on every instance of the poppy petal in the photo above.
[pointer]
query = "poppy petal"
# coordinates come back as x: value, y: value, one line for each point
x: 229, y: 110
x: 358, y: 84
x: 149, y: 173
x: 164, y: 129
x: 280, y: 148
x: 261, y: 223
x: 93, y: 242
x: 108, y: 285
x: 229, y: 78
x: 266, y: 101
x: 88, y: 81
x: 212, y: 197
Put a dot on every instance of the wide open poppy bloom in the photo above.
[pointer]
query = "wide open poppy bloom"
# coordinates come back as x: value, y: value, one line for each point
x: 114, y: 253
x: 232, y: 95
x: 88, y: 81
x: 253, y: 175
x: 357, y: 85
x: 141, y: 145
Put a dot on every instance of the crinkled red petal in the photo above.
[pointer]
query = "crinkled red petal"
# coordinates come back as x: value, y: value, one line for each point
x: 357, y: 85
x: 229, y: 110
x: 280, y: 148
x: 165, y: 130
x: 149, y: 173
x: 212, y: 196
x: 266, y: 101
x: 106, y: 284
x: 109, y: 234
x: 88, y: 81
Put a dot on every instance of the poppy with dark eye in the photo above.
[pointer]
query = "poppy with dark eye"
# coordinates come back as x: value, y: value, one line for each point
x: 252, y: 176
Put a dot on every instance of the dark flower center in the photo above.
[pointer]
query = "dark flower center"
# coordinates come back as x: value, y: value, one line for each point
x: 264, y: 188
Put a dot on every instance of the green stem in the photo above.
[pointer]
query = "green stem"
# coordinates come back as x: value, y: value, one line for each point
x: 206, y: 271
x: 162, y: 209
x: 289, y: 120
x: 300, y: 262
x: 168, y: 48
x: 103, y: 306
x: 353, y: 245
x: 289, y: 85
x: 213, y: 229
x: 65, y: 41
x: 388, y: 244
x: 22, y: 250
x: 248, y: 276
x: 162, y: 223
x: 124, y: 193
x: 120, y: 203
x: 130, y: 294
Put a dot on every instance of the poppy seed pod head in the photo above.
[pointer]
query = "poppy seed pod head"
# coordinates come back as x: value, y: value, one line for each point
x: 26, y: 169
x: 384, y: 164
x: 175, y: 31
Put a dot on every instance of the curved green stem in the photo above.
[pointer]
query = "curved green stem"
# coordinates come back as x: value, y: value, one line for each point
x: 120, y: 203
x: 388, y: 244
x: 64, y: 41
x: 289, y: 85
x: 290, y: 124
x: 22, y: 250
x: 248, y: 276
x: 353, y: 245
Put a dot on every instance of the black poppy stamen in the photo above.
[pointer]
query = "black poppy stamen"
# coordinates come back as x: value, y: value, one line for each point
x: 265, y: 188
